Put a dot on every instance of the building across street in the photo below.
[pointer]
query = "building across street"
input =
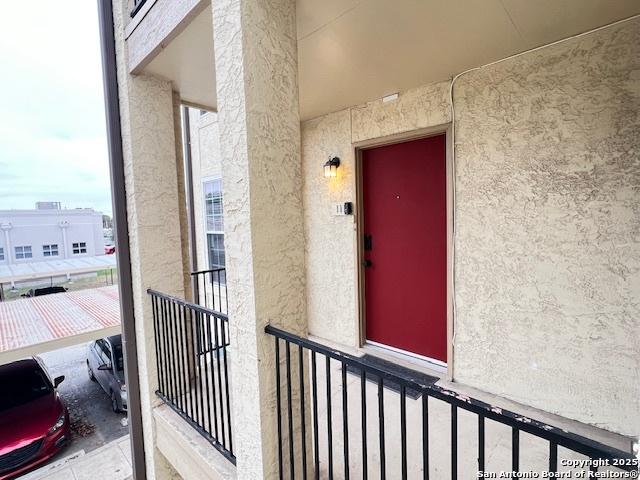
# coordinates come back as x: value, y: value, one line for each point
x: 49, y: 232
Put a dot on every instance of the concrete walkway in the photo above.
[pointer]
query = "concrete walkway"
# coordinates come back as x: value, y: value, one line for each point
x: 112, y: 461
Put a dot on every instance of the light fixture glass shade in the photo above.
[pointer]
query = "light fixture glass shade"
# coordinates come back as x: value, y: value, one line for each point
x: 330, y: 171
x: 331, y: 167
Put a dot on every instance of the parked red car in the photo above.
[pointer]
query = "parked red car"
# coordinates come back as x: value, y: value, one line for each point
x: 34, y: 423
x: 109, y: 249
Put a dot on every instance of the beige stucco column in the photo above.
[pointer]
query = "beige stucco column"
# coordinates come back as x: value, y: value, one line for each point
x: 257, y: 92
x: 151, y: 181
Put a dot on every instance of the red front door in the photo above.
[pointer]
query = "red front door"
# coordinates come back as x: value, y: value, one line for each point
x: 405, y: 246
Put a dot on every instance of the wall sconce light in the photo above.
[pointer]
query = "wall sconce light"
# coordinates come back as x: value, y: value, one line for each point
x: 331, y: 167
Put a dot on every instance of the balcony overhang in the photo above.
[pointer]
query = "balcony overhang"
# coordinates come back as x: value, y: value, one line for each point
x: 351, y: 51
x: 156, y: 25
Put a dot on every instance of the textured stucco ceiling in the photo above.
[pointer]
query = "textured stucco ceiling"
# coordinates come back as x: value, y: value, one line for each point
x: 188, y: 61
x: 353, y: 51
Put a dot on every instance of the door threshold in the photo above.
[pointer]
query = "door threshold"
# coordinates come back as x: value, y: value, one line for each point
x: 430, y: 364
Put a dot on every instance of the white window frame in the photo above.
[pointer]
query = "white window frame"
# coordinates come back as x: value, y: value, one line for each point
x: 50, y: 250
x: 208, y: 232
x: 78, y: 249
x: 23, y: 252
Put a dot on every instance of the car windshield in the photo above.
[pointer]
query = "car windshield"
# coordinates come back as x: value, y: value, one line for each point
x: 119, y: 363
x: 22, y: 386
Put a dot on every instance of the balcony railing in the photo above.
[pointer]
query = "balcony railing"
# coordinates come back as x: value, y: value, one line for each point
x: 211, y: 289
x: 193, y: 366
x: 342, y: 427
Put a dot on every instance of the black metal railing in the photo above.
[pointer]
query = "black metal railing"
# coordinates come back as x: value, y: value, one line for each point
x: 334, y: 431
x: 211, y: 289
x: 193, y: 366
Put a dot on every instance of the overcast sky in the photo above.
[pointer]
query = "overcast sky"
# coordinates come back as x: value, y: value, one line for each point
x: 52, y: 128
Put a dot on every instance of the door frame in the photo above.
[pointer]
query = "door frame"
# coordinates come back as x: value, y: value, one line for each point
x: 360, y: 147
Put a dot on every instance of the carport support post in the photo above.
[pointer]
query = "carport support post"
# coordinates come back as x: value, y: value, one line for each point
x: 141, y: 131
x: 257, y: 92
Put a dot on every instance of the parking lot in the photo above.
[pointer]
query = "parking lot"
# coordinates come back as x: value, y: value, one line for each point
x: 93, y: 422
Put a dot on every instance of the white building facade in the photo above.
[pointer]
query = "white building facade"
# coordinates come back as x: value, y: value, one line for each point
x: 49, y: 234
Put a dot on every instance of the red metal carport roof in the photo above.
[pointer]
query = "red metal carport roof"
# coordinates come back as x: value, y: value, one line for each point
x: 31, y: 326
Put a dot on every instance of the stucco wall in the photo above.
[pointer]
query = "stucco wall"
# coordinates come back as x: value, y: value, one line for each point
x: 330, y: 246
x: 547, y: 219
x: 257, y: 93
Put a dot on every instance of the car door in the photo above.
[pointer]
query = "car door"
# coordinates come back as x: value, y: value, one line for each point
x: 93, y: 357
x: 104, y: 358
x: 110, y: 373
